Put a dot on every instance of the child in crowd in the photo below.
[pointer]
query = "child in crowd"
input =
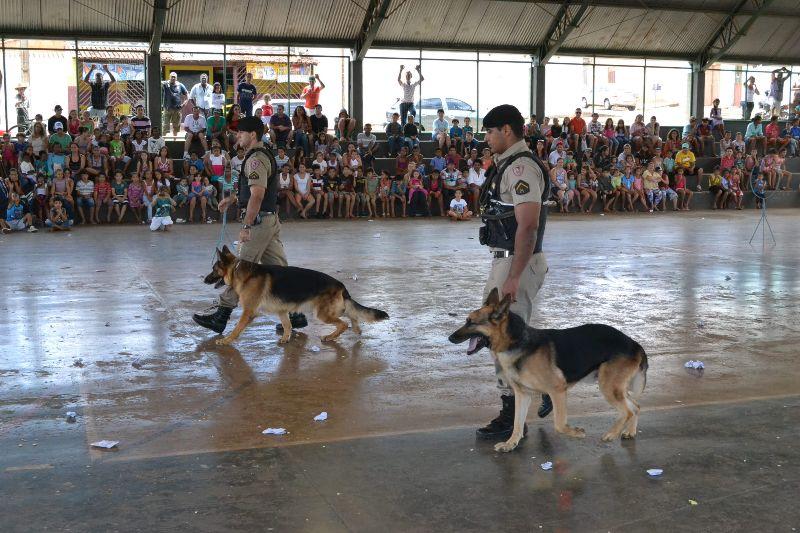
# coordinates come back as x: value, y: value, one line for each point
x: 316, y: 190
x: 684, y: 193
x: 58, y: 219
x: 456, y: 135
x: 102, y: 197
x: 182, y: 193
x: 458, y: 208
x: 372, y: 192
x: 736, y: 193
x: 347, y: 193
x: 398, y: 193
x: 164, y: 205
x: 385, y: 193
x: 120, y: 198
x: 417, y: 196
x: 210, y: 194
x: 195, y: 193
x: 759, y: 188
x: 331, y: 189
x: 361, y: 193
x: 135, y: 197
x: 41, y: 198
x: 435, y: 186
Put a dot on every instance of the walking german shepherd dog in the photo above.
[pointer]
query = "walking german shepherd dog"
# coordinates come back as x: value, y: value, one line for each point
x: 552, y: 360
x: 282, y: 290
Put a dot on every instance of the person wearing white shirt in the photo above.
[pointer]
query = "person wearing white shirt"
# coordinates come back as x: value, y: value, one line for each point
x: 236, y: 163
x: 557, y: 154
x: 195, y: 127
x: 475, y: 179
x: 200, y: 95
x: 440, y: 131
x: 218, y: 98
x: 366, y: 140
x: 155, y: 142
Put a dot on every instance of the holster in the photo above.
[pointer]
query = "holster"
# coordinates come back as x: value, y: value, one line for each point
x: 499, y: 226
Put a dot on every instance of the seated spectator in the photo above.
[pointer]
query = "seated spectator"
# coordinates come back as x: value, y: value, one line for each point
x: 60, y: 137
x: 410, y: 133
x: 456, y: 135
x: 301, y: 129
x: 754, y: 134
x: 366, y: 140
x: 609, y: 132
x: 164, y: 205
x: 435, y: 187
x: 738, y: 143
x: 17, y: 219
x: 345, y: 126
x: 56, y: 118
x: 458, y: 208
x: 726, y: 142
x: 439, y: 134
x: 686, y: 160
x: 470, y: 143
x: 62, y: 187
x: 217, y: 129
x: 705, y: 135
x: 715, y: 187
x: 195, y: 127
x: 475, y: 179
x: 319, y: 122
x: 85, y: 188
x: 394, y: 136
x: 594, y: 133
x: 621, y: 134
x: 577, y: 131
x: 772, y: 132
x: 58, y: 219
x: 140, y: 122
x: 280, y: 127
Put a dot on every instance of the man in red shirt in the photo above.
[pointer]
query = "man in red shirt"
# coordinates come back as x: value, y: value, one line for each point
x: 311, y: 93
x: 577, y: 130
x: 773, y: 133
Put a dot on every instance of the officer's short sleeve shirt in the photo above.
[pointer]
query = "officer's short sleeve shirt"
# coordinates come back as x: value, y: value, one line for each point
x: 522, y: 181
x: 258, y: 171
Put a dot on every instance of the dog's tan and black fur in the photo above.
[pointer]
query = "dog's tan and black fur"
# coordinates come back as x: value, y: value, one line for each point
x: 552, y: 360
x: 282, y: 290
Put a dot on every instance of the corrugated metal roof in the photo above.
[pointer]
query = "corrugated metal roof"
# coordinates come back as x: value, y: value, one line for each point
x: 470, y: 24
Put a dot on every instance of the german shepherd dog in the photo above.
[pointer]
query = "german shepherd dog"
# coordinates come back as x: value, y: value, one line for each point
x: 282, y: 290
x: 552, y: 360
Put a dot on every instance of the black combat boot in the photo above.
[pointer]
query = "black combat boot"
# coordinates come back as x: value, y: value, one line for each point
x: 502, y: 426
x: 298, y: 321
x: 546, y: 408
x: 215, y: 321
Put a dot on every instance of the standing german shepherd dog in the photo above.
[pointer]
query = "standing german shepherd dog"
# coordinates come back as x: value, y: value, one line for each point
x: 282, y: 290
x: 552, y: 360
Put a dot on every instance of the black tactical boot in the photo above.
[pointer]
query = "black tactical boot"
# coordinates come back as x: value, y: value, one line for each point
x: 298, y: 321
x: 546, y: 408
x: 502, y: 426
x: 215, y: 321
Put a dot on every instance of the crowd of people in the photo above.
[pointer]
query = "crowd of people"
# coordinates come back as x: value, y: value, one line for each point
x: 96, y: 166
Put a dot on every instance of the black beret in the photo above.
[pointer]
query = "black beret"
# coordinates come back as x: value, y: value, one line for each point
x: 251, y: 124
x: 501, y: 115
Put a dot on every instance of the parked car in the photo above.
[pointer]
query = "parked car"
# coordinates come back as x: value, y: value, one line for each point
x: 288, y: 105
x: 609, y: 96
x: 427, y: 108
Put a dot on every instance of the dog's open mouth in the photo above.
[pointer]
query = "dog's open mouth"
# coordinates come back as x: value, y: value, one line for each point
x: 476, y: 344
x: 219, y: 283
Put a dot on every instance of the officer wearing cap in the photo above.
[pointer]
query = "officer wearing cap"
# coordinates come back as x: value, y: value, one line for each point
x: 512, y: 199
x: 260, y: 235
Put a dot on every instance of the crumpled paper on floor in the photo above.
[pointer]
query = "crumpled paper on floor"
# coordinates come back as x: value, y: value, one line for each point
x: 322, y: 416
x: 697, y: 365
x: 274, y: 431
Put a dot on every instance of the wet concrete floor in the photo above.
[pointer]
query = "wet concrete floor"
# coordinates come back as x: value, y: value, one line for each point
x: 99, y: 322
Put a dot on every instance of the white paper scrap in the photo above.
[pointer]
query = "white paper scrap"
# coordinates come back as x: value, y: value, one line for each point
x: 322, y: 416
x: 697, y: 365
x: 108, y: 444
x: 654, y: 472
x: 315, y: 348
x: 547, y: 466
x: 274, y: 431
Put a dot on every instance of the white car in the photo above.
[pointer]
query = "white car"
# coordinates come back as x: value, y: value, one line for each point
x: 610, y: 96
x: 427, y: 108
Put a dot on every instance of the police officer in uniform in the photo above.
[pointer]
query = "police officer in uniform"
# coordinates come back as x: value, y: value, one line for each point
x: 512, y: 209
x: 260, y: 235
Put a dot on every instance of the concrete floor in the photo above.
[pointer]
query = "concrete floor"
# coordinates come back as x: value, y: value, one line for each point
x: 99, y: 322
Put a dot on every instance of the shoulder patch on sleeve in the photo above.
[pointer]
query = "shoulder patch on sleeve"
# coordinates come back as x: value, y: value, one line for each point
x: 253, y: 176
x: 522, y: 187
x: 517, y: 170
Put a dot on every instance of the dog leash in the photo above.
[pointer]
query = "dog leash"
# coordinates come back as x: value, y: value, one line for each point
x: 223, y: 237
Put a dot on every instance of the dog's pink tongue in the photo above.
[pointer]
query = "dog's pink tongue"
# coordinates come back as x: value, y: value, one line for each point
x: 473, y: 343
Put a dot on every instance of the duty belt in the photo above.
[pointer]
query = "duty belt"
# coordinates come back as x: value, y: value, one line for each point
x: 259, y: 216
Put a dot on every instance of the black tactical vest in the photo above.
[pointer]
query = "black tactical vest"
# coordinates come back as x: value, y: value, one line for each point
x: 270, y: 201
x: 500, y: 226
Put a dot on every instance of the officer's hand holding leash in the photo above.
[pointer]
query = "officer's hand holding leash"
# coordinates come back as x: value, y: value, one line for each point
x: 527, y: 216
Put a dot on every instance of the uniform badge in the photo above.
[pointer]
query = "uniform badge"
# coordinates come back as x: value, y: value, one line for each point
x: 254, y: 164
x: 517, y: 170
x: 522, y: 187
x: 254, y: 176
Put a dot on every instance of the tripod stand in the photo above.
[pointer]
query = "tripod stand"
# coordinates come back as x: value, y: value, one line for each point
x: 763, y: 223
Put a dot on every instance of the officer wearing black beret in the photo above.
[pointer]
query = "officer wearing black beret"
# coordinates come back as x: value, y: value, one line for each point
x: 515, y: 183
x: 260, y: 235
